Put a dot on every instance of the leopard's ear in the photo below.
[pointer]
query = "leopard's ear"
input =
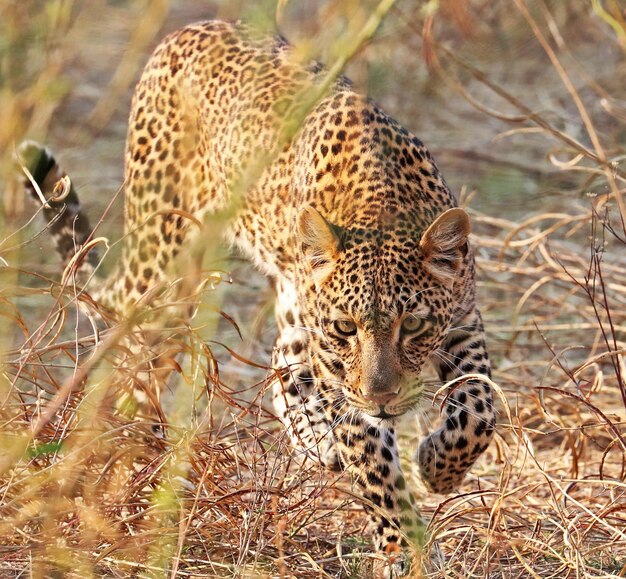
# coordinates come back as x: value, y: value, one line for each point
x: 320, y: 241
x: 444, y: 244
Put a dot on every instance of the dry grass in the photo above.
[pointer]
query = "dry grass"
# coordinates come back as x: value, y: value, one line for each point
x: 85, y: 491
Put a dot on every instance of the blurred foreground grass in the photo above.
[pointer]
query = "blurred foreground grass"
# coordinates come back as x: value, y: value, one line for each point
x: 522, y: 104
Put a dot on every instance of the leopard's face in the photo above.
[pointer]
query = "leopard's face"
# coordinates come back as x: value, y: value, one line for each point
x: 383, y: 304
x: 382, y: 315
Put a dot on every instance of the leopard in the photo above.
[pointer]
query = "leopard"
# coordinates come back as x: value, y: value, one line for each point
x: 347, y: 214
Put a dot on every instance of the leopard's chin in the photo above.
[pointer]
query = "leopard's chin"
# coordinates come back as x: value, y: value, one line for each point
x: 380, y: 422
x: 382, y: 417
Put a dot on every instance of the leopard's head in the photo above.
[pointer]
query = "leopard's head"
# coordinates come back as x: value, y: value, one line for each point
x: 383, y: 303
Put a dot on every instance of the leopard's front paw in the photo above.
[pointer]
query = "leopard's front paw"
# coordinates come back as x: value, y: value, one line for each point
x: 398, y: 563
x: 438, y: 472
x: 391, y: 563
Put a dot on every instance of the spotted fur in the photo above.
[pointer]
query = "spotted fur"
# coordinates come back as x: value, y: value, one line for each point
x: 349, y: 217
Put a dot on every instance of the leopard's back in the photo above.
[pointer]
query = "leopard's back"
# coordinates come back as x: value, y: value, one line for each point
x: 212, y: 124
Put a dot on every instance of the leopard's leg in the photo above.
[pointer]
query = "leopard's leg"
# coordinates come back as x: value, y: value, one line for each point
x: 370, y: 454
x: 469, y: 415
x: 297, y: 401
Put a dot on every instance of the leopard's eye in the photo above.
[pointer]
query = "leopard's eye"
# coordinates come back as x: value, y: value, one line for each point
x: 345, y: 327
x: 412, y: 324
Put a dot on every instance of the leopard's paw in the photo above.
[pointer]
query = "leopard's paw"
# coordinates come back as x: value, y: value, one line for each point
x: 438, y: 473
x: 391, y: 563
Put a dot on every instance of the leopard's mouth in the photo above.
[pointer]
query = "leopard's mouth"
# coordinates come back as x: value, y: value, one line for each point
x: 381, y: 412
x: 390, y: 411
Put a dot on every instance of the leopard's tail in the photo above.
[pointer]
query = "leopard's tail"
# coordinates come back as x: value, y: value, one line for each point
x: 44, y: 179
